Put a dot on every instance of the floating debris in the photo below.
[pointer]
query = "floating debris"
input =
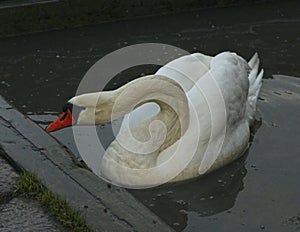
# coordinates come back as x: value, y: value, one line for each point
x: 176, y: 224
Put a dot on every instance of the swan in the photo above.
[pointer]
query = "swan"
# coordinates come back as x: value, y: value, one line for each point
x: 202, y: 109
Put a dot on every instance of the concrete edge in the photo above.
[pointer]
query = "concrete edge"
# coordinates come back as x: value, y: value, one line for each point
x: 27, y: 17
x: 106, y: 207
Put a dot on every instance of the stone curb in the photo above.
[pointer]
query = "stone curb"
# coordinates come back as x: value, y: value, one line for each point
x: 106, y: 207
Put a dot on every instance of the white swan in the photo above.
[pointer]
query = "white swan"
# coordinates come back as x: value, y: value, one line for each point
x: 206, y: 106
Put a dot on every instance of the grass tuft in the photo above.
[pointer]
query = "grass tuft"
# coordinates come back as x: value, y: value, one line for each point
x: 29, y: 185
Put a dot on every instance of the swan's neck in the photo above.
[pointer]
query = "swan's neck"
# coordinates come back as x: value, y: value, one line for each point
x: 163, y: 91
x: 159, y: 131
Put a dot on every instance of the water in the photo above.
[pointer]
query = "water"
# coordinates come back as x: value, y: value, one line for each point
x: 39, y: 73
x: 257, y: 192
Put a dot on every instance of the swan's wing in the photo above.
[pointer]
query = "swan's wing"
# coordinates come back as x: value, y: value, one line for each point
x: 186, y: 70
x: 225, y: 88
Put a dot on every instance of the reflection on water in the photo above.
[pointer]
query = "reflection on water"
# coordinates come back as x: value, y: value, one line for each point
x: 205, y: 196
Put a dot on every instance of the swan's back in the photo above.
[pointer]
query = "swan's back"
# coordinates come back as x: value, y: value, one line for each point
x: 186, y: 70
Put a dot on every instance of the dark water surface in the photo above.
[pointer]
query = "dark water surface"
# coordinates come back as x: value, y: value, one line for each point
x: 259, y: 192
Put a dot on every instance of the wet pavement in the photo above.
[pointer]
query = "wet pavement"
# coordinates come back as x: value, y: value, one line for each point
x: 260, y: 192
x: 18, y: 213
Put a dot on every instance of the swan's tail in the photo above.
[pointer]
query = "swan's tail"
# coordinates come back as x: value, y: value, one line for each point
x: 255, y: 82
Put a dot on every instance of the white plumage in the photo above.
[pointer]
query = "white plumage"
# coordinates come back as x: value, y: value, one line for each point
x: 216, y: 100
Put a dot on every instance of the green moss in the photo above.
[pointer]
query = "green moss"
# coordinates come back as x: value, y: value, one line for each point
x: 28, y: 184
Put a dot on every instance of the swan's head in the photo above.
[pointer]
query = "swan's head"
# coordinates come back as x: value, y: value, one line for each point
x: 69, y: 116
x: 85, y: 109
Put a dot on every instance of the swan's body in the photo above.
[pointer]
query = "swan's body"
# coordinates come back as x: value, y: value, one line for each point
x: 215, y: 99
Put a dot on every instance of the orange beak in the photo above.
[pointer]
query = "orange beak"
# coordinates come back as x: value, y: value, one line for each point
x: 66, y: 119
